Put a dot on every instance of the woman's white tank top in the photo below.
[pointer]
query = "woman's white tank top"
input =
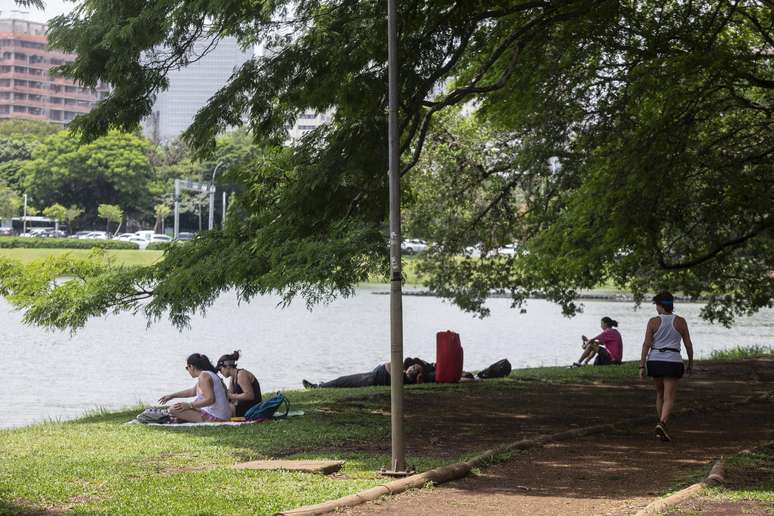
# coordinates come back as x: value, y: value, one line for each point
x: 220, y: 409
x: 666, y: 337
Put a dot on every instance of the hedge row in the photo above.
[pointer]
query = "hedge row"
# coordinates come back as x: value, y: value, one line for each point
x: 63, y: 243
x: 158, y: 246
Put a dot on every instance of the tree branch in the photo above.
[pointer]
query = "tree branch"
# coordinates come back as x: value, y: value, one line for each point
x: 710, y: 254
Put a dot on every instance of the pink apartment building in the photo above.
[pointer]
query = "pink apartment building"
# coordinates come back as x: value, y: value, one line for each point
x: 27, y: 90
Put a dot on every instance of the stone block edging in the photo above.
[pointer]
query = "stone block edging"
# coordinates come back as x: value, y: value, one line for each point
x: 716, y: 477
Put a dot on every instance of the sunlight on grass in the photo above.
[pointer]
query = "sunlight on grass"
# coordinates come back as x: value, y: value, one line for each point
x: 742, y: 352
x: 750, y: 477
x: 127, y: 257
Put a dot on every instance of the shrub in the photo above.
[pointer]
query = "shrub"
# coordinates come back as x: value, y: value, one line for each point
x: 158, y: 246
x: 63, y: 243
x: 741, y: 352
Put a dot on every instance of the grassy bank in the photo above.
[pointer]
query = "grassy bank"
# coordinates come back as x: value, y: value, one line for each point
x: 748, y: 488
x: 98, y: 464
x: 750, y: 476
x: 121, y: 256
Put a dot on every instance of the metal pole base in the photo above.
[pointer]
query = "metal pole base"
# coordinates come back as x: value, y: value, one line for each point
x: 410, y: 470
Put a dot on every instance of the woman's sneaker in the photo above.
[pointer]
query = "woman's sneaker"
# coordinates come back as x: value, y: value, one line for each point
x: 661, y: 432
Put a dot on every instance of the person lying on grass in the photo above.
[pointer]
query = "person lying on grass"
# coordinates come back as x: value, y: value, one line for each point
x: 380, y: 375
x: 607, y: 347
x: 210, y: 403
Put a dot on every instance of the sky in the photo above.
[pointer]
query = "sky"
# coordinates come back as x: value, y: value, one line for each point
x: 53, y: 8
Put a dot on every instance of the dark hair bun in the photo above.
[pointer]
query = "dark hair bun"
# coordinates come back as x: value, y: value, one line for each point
x: 235, y: 355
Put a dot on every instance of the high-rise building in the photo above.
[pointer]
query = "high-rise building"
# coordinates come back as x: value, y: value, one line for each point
x: 191, y: 87
x: 27, y: 90
x: 306, y: 122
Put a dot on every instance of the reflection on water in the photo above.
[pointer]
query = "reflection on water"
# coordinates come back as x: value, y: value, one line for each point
x: 116, y: 361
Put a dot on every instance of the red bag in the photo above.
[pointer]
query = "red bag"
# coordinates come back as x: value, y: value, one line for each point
x: 448, y: 357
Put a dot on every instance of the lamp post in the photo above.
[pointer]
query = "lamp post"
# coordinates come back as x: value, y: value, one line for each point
x: 24, y: 218
x: 212, y: 197
x: 398, y: 464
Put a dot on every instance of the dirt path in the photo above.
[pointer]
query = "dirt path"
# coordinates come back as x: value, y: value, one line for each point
x: 618, y: 473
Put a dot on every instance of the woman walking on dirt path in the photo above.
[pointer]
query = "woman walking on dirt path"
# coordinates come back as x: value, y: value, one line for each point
x: 661, y: 358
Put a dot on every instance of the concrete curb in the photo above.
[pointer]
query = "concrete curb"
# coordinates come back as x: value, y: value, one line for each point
x: 458, y: 470
x: 715, y: 477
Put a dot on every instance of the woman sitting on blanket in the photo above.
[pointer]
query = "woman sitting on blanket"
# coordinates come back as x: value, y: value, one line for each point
x: 244, y: 391
x: 210, y: 403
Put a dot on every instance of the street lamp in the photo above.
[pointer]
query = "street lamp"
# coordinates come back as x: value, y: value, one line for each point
x: 398, y: 464
x: 212, y: 197
x: 24, y: 218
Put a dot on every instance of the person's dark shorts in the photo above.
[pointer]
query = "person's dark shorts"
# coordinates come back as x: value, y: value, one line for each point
x: 603, y: 357
x: 657, y: 369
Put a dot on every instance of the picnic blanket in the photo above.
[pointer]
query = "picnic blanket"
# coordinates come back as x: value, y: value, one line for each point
x: 292, y: 413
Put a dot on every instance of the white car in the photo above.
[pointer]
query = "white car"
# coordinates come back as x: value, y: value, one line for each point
x: 474, y: 251
x: 413, y: 246
x: 140, y: 241
x: 145, y: 234
x: 160, y: 238
x: 98, y: 235
x: 508, y: 250
x: 36, y: 233
x: 125, y: 236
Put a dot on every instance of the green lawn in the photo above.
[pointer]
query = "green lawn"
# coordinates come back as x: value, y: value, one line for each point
x: 97, y: 464
x: 122, y: 256
x: 750, y: 476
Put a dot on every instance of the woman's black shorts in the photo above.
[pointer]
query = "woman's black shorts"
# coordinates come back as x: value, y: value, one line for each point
x: 657, y: 369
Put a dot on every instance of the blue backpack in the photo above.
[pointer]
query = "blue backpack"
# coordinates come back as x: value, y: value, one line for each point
x: 266, y: 409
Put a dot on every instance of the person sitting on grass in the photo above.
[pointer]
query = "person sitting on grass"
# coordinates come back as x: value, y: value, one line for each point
x: 244, y: 391
x: 379, y: 376
x: 606, y: 348
x: 210, y: 403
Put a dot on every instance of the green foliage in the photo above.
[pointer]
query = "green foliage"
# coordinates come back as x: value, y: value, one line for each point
x: 162, y: 210
x: 27, y: 130
x: 63, y: 243
x: 72, y: 213
x: 615, y: 142
x: 56, y: 211
x: 11, y: 150
x: 111, y: 213
x: 114, y: 169
x: 158, y: 246
x: 742, y: 352
x: 9, y: 202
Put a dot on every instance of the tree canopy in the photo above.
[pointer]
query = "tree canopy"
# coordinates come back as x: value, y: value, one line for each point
x: 113, y: 169
x: 622, y: 141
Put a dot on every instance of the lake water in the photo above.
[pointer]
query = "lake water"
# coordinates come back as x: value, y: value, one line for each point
x: 117, y: 361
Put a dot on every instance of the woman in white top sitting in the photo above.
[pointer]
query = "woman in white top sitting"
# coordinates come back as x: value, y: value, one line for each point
x: 210, y: 403
x: 661, y: 358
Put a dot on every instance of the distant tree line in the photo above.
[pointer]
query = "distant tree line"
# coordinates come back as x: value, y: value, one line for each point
x: 121, y: 172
